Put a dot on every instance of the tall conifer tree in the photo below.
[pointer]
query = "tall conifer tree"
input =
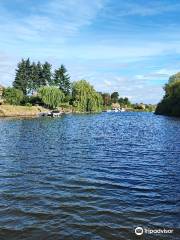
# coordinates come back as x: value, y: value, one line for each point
x: 62, y: 80
x: 21, y: 81
x: 46, y: 74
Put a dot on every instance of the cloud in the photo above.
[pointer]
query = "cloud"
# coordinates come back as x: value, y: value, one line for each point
x: 162, y: 74
x: 107, y: 83
x: 55, y: 19
x: 137, y: 8
x: 103, y: 41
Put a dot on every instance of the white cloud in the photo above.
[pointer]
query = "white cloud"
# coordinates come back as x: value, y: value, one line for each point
x: 107, y: 83
x: 51, y: 21
x: 162, y: 74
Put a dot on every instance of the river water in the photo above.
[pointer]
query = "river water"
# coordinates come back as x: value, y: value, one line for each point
x: 93, y: 176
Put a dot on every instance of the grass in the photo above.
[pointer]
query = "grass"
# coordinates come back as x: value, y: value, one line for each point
x: 18, y: 111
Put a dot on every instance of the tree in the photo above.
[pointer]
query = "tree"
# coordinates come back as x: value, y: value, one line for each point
x: 46, y: 79
x: 85, y: 98
x: 124, y: 102
x: 114, y: 97
x: 22, y: 80
x: 51, y: 96
x: 13, y: 96
x: 33, y: 83
x: 174, y: 78
x: 106, y: 99
x: 62, y: 80
x: 170, y: 104
x: 39, y: 70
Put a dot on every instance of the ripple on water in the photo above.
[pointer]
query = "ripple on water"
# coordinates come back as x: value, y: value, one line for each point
x: 89, y: 176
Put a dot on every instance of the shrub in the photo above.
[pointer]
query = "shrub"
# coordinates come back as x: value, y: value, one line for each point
x: 12, y: 96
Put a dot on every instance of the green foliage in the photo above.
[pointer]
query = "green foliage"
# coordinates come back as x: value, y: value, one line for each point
x: 124, y: 102
x: 46, y: 74
x: 170, y: 105
x: 62, y: 80
x: 12, y: 95
x: 33, y: 100
x: 28, y: 105
x: 85, y: 98
x: 174, y: 78
x: 33, y: 82
x: 21, y: 81
x: 114, y: 97
x: 30, y: 76
x: 51, y: 96
x: 106, y: 99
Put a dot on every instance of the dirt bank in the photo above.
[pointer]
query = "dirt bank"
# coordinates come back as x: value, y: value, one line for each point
x: 20, y: 111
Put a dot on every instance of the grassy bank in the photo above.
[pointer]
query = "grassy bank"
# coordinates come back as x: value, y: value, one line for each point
x: 20, y: 111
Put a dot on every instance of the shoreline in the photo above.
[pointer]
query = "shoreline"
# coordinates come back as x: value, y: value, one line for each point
x: 17, y: 111
x: 21, y: 111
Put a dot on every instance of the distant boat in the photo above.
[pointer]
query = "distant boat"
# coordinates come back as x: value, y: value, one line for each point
x: 54, y: 113
x: 116, y: 110
x: 122, y: 110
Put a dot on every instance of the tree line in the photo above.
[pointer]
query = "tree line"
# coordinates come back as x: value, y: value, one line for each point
x: 109, y: 99
x: 36, y: 83
x: 30, y: 77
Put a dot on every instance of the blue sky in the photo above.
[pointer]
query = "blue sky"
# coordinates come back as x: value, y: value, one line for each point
x: 130, y: 46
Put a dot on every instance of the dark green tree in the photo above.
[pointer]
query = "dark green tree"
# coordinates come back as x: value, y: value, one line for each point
x: 46, y: 73
x: 124, y: 102
x: 114, y: 97
x: 62, y: 80
x: 22, y: 80
x: 33, y: 83
x: 170, y: 104
x: 39, y: 70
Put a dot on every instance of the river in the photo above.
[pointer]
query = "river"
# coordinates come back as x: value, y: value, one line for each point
x: 89, y: 176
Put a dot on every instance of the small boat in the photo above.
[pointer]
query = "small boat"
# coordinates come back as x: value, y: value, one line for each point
x: 116, y: 110
x: 44, y: 114
x: 54, y: 113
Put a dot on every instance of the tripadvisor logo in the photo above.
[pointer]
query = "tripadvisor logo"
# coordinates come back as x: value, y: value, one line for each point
x: 139, y: 231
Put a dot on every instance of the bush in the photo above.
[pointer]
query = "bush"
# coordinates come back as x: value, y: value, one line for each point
x: 33, y: 100
x: 28, y: 105
x: 13, y: 96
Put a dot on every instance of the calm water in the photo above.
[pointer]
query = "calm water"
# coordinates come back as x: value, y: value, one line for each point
x: 89, y: 176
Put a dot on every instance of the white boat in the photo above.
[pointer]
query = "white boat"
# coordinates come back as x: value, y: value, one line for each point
x: 116, y: 110
x: 54, y: 113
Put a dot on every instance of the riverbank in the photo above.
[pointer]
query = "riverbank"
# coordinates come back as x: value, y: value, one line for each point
x: 21, y: 111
